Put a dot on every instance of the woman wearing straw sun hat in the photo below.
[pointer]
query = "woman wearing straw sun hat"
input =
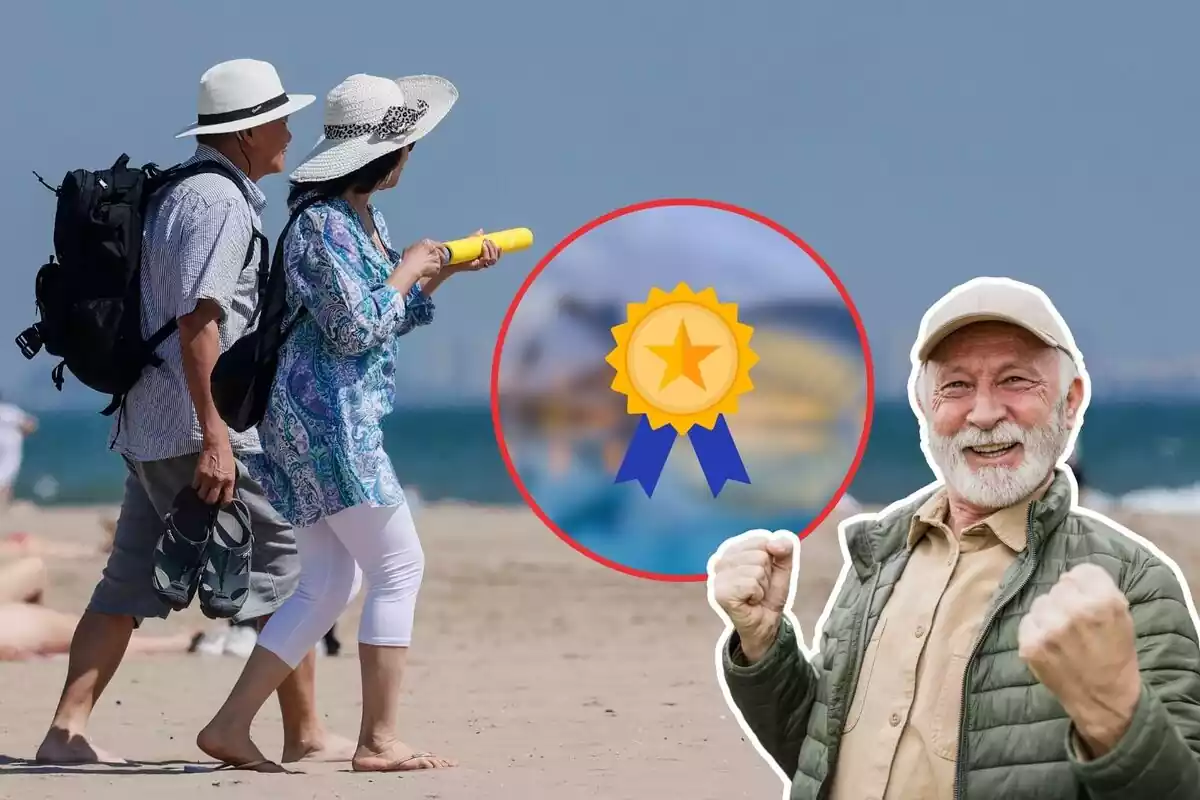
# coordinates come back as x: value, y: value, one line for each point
x: 323, y: 464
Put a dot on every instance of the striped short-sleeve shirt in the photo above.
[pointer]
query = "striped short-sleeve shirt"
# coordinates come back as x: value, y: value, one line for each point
x: 194, y: 244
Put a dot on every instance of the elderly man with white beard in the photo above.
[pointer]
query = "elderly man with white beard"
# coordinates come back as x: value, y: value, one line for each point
x: 988, y: 638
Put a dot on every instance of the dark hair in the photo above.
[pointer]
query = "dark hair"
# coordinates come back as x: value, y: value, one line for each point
x: 363, y: 179
x: 212, y: 140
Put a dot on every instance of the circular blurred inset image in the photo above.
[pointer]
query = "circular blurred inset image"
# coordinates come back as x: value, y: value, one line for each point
x: 674, y: 374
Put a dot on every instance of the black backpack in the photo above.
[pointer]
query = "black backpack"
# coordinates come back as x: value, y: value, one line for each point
x: 242, y: 378
x: 89, y: 300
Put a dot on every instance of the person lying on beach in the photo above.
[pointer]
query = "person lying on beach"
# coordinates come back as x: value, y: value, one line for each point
x: 23, y: 580
x: 29, y: 630
x: 28, y: 544
x: 323, y: 465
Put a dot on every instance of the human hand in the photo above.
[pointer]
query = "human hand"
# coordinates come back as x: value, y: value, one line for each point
x: 487, y: 258
x: 424, y: 259
x: 750, y: 583
x: 216, y: 471
x: 1078, y: 641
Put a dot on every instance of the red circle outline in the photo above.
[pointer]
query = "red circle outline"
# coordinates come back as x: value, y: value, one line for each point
x: 620, y: 212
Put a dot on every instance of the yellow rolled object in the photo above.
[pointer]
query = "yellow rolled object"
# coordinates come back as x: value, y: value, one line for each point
x: 460, y: 251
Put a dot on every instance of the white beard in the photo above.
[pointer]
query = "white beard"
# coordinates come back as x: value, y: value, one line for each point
x: 998, y: 486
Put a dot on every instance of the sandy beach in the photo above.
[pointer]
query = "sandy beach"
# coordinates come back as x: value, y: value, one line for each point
x: 541, y: 672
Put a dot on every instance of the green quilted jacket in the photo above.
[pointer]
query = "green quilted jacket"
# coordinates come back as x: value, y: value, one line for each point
x: 1013, y: 736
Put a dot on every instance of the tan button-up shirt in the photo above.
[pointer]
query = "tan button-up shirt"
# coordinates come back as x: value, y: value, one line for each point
x: 901, y: 734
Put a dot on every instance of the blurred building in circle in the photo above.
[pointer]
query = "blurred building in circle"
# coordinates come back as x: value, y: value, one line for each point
x: 566, y: 430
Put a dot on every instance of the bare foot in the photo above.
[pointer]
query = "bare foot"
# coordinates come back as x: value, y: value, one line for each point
x: 234, y: 749
x: 396, y: 757
x: 61, y: 747
x: 329, y: 747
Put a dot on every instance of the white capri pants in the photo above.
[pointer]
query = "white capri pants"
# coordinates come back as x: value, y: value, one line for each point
x: 336, y: 553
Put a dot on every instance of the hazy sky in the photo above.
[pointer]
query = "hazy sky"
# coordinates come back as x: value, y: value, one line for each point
x: 912, y: 147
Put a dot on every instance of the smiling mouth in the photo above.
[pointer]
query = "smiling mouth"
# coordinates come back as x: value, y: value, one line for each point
x: 993, y: 450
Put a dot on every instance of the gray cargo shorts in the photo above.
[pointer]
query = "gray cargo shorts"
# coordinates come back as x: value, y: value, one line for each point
x: 126, y: 588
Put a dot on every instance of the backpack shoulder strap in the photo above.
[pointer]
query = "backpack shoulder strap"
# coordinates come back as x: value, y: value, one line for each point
x: 300, y: 208
x: 258, y: 245
x: 304, y: 205
x: 277, y: 260
x: 202, y: 167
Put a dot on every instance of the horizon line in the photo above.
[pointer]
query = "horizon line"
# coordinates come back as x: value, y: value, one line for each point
x: 484, y: 403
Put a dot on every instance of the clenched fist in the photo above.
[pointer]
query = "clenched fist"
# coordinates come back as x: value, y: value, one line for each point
x: 1078, y: 641
x: 750, y: 583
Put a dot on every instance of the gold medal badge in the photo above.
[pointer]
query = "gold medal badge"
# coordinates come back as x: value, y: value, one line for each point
x: 682, y: 359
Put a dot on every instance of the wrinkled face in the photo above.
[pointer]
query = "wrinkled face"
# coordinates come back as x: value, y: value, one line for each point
x: 266, y: 146
x: 999, y: 407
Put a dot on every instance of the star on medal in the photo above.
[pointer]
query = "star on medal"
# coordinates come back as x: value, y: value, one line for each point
x: 682, y: 358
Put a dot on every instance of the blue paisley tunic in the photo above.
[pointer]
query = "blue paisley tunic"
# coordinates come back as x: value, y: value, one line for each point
x: 321, y: 436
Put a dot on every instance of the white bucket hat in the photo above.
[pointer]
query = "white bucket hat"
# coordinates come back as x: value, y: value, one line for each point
x: 241, y: 94
x: 367, y: 117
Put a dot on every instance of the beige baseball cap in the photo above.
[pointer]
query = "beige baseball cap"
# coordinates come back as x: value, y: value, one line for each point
x: 993, y: 300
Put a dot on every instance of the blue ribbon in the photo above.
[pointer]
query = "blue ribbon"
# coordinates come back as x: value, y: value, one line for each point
x: 715, y: 450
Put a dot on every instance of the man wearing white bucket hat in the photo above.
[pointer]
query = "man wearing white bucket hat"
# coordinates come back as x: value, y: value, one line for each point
x: 323, y: 464
x: 198, y: 268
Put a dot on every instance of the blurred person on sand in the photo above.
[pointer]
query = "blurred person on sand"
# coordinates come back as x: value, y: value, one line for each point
x: 195, y: 269
x: 323, y: 464
x: 29, y: 630
x: 20, y: 543
x: 238, y: 639
x: 990, y: 638
x: 15, y: 425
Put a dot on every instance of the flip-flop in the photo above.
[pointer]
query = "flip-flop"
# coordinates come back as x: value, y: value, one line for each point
x: 179, y: 554
x: 226, y: 580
